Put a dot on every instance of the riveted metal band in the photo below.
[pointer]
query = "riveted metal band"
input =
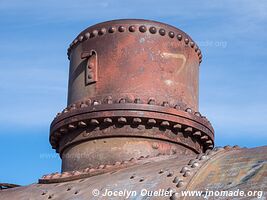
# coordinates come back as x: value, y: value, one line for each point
x: 189, y: 171
x: 132, y: 27
x: 133, y: 114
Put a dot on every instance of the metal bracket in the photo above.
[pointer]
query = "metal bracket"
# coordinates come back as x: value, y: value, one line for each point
x: 91, y: 75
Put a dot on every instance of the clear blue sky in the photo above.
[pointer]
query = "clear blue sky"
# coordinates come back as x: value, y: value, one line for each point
x: 34, y: 37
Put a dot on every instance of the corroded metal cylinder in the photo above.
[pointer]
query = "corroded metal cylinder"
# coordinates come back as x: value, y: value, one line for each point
x: 133, y: 91
x: 134, y: 58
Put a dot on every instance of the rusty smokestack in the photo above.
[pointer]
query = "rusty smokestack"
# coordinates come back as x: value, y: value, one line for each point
x: 133, y: 91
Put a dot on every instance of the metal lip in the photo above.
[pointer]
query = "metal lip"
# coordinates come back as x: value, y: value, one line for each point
x: 130, y: 110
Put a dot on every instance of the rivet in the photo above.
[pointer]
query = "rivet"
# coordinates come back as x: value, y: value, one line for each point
x: 176, y: 179
x: 71, y: 126
x: 137, y: 120
x: 81, y: 38
x: 94, y: 122
x: 195, y: 164
x: 121, y: 28
x: 186, y: 40
x: 111, y: 29
x: 209, y: 142
x: 200, y: 56
x: 170, y: 174
x: 189, y: 110
x: 198, y: 52
x: 191, y: 161
x: 184, y: 169
x: 101, y: 167
x: 165, y: 104
x: 179, y: 37
x: 87, y: 35
x: 171, y: 34
x: 81, y: 124
x: 187, y: 173
x: 203, y: 157
x: 122, y: 120
x: 177, y: 107
x: 137, y: 100
x: 142, y: 29
x: 125, y: 162
x: 200, y: 61
x: 75, y: 41
x: 108, y: 120
x: 76, y: 173
x: 155, y: 145
x: 199, y: 155
x: 122, y: 100
x: 198, y: 114
x: 177, y: 126
x: 196, y: 48
x: 204, y: 138
x: 227, y: 147
x: 95, y: 102
x: 197, y: 133
x: 65, y: 110
x: 132, y: 28
x: 151, y: 121
x: 102, y: 31
x: 188, y: 129
x: 152, y: 30
x: 151, y: 101
x: 192, y: 44
x: 140, y: 158
x: 210, y: 147
x: 180, y: 184
x: 165, y: 123
x: 162, y: 32
x: 161, y: 171
x: 109, y: 100
x: 94, y: 33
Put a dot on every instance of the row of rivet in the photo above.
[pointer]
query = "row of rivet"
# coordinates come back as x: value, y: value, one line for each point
x: 133, y: 28
x: 193, y: 164
x: 108, y: 100
x: 99, y: 168
x: 108, y: 121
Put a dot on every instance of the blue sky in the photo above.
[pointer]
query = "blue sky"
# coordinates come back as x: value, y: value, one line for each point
x: 34, y: 37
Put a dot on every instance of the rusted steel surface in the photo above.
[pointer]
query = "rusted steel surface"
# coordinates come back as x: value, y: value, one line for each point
x: 132, y: 83
x: 132, y: 122
x: 132, y: 57
x: 218, y: 169
x: 243, y: 169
